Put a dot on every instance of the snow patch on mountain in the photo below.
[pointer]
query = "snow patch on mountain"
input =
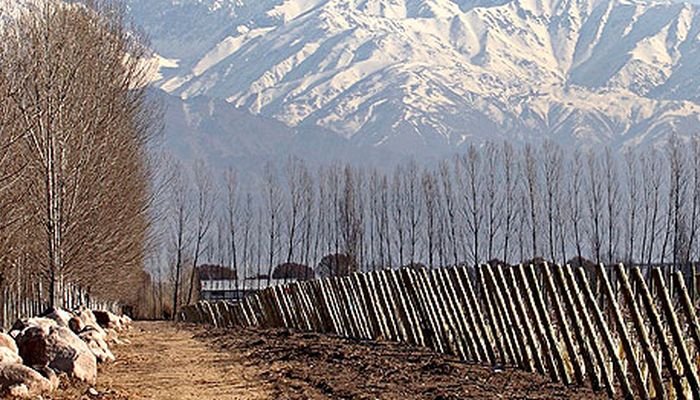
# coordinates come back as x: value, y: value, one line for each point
x: 412, y: 75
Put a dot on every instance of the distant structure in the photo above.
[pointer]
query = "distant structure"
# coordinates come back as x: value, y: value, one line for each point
x: 223, y: 283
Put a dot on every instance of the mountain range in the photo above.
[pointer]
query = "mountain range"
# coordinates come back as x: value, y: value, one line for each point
x: 250, y: 79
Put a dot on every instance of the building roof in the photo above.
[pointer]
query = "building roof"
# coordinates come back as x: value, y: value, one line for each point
x: 247, y: 284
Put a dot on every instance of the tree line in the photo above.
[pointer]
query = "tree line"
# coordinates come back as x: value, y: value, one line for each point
x: 75, y: 175
x: 493, y: 202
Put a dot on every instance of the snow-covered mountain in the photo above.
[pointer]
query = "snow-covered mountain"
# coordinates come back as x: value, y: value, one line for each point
x: 431, y: 75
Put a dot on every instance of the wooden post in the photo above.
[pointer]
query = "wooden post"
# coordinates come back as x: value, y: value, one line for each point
x: 457, y: 316
x: 466, y: 316
x: 433, y: 337
x: 688, y: 309
x: 404, y: 302
x: 393, y: 308
x: 385, y: 306
x: 577, y: 328
x: 642, y: 334
x: 549, y: 333
x: 412, y: 301
x: 511, y: 288
x: 377, y: 307
x: 444, y: 307
x: 441, y: 333
x: 563, y: 325
x: 633, y: 364
x: 688, y: 367
x: 605, y: 333
x: 464, y: 286
x: 503, y: 318
x: 496, y: 335
x: 542, y: 337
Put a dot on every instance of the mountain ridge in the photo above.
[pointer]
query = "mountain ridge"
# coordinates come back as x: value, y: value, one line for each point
x: 432, y: 75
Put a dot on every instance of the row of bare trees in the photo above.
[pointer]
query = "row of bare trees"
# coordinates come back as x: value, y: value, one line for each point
x: 75, y: 125
x: 491, y: 202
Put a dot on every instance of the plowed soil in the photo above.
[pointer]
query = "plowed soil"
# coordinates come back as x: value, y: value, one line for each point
x: 312, y: 366
x: 166, y: 361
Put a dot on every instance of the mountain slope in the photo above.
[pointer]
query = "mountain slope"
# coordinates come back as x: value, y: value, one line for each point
x: 417, y: 75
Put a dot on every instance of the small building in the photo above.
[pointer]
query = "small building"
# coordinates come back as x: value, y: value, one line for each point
x: 235, y: 289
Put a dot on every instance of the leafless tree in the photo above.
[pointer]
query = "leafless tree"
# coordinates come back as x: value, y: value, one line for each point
x: 181, y: 214
x: 612, y: 202
x: 231, y: 178
x: 651, y: 174
x: 76, y: 81
x: 510, y: 177
x: 398, y: 209
x: 494, y: 197
x: 633, y: 199
x: 294, y: 171
x: 595, y: 206
x: 414, y: 208
x: 532, y: 188
x: 450, y: 207
x: 431, y: 201
x: 552, y: 172
x: 273, y: 202
x: 576, y: 200
x: 204, y: 216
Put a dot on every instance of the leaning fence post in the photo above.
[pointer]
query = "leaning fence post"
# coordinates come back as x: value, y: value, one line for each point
x: 605, y: 333
x: 688, y: 367
x: 641, y: 333
x: 541, y: 336
x: 563, y: 326
x: 688, y: 310
x: 622, y: 333
x: 578, y: 328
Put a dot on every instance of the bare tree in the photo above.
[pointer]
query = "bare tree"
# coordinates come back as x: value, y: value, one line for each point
x: 651, y: 174
x: 612, y: 195
x: 552, y: 172
x: 414, y: 209
x: 510, y: 177
x: 181, y: 214
x: 494, y: 198
x: 398, y: 210
x: 576, y: 201
x: 231, y: 178
x: 450, y: 207
x: 532, y: 188
x: 295, y: 170
x: 633, y: 198
x: 595, y: 206
x: 431, y: 201
x: 77, y: 93
x: 695, y: 190
x: 204, y: 215
x: 273, y: 202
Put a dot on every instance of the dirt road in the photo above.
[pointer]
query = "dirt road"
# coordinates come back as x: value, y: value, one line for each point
x: 165, y: 361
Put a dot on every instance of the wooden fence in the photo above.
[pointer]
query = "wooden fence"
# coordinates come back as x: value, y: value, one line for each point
x: 633, y: 338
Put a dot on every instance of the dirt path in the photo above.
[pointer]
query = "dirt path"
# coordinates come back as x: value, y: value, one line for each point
x: 164, y: 362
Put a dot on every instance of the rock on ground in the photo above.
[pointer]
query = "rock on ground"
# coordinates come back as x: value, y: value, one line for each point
x: 96, y: 342
x: 21, y: 381
x: 108, y: 320
x: 60, y: 349
x: 8, y: 342
x: 62, y: 317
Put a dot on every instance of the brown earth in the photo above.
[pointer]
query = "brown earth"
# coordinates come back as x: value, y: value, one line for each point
x: 165, y: 361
